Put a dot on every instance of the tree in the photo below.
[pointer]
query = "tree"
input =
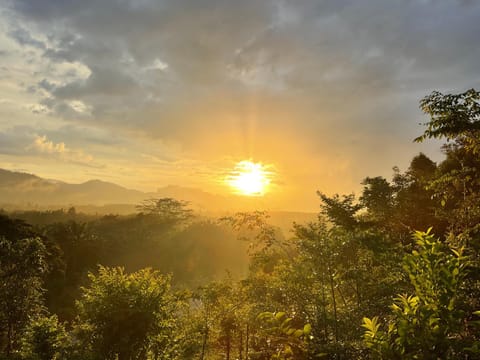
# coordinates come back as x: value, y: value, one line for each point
x: 221, y: 315
x: 122, y: 314
x: 422, y: 168
x: 167, y: 209
x: 15, y: 229
x: 454, y: 117
x: 377, y: 197
x: 44, y: 339
x: 284, y: 339
x: 344, y: 273
x: 209, y: 298
x: 340, y: 211
x: 22, y: 266
x: 415, y: 204
x: 80, y: 252
x: 430, y: 323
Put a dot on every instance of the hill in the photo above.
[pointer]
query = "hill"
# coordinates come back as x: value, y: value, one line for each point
x: 23, y: 191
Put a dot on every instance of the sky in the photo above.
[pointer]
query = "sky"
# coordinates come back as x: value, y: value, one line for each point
x: 148, y: 93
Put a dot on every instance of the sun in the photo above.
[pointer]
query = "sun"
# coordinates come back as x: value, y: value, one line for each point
x: 249, y: 178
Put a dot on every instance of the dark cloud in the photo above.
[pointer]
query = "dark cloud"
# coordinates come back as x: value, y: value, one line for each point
x: 343, y: 74
x: 23, y: 37
x: 101, y: 81
x: 46, y: 85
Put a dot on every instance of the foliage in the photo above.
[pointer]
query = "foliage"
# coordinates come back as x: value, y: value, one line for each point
x: 285, y: 341
x: 377, y: 197
x: 340, y: 211
x: 453, y: 116
x: 253, y: 227
x: 44, y: 339
x: 121, y: 314
x: 429, y: 323
x: 22, y: 265
x: 167, y: 209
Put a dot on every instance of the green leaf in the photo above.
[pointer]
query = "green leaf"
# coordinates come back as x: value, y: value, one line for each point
x: 371, y: 324
x: 298, y: 333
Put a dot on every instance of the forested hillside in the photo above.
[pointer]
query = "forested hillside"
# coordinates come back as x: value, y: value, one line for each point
x: 393, y: 273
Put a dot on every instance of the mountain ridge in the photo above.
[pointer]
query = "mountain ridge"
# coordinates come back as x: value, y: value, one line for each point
x: 29, y: 191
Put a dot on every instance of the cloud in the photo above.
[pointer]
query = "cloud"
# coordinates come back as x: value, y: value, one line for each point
x: 23, y: 37
x: 41, y: 145
x: 327, y: 51
x: 157, y: 64
x: 331, y: 81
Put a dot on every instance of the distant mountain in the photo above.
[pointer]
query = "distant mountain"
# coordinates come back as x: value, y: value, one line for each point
x: 27, y: 191
x: 18, y: 188
x: 8, y: 178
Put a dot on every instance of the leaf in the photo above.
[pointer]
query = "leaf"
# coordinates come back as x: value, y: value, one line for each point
x: 371, y: 324
x: 288, y: 350
x: 264, y: 315
x: 307, y: 329
x: 298, y: 333
x: 290, y: 331
x: 286, y: 323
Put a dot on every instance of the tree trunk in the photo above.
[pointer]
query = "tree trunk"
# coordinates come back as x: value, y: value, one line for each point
x: 332, y: 288
x: 9, y: 339
x: 204, y: 342
x: 247, y: 335
x: 324, y: 310
x: 359, y: 299
x: 240, y: 346
x: 228, y: 345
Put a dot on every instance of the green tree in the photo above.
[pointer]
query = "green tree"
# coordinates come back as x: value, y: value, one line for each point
x: 284, y: 339
x: 80, y: 251
x: 456, y: 186
x: 341, y: 211
x: 167, y: 209
x: 44, y: 339
x: 122, y: 314
x: 415, y: 204
x: 430, y: 323
x: 22, y: 266
x: 454, y: 117
x: 340, y: 274
x: 377, y: 197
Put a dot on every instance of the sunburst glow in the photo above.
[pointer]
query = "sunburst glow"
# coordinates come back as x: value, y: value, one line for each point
x: 249, y: 178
